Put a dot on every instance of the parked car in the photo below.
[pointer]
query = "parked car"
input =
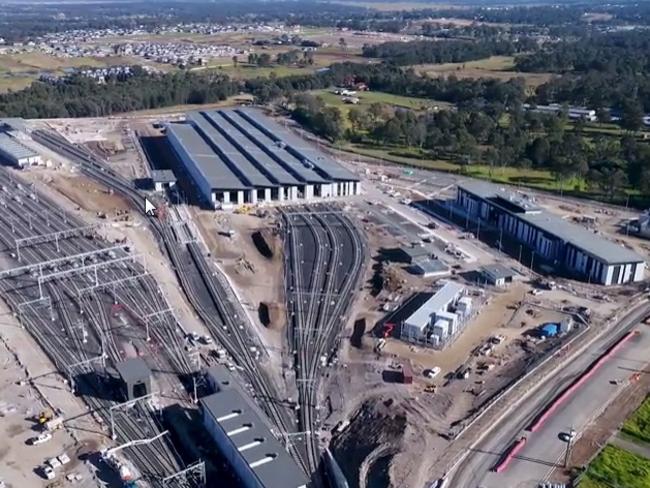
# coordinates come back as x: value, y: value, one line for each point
x: 433, y: 372
x: 54, y: 463
x: 41, y: 439
x: 48, y: 472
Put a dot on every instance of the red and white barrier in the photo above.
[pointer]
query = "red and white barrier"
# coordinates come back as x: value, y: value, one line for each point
x: 505, y: 461
x: 534, y: 427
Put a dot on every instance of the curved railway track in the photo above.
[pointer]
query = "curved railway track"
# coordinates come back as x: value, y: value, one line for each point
x: 324, y: 262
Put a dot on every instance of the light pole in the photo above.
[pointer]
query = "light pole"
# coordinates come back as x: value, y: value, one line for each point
x: 569, y: 444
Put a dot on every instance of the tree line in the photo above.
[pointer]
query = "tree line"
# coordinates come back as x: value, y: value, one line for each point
x: 83, y: 97
x: 470, y: 136
x: 451, y: 51
x: 599, y: 71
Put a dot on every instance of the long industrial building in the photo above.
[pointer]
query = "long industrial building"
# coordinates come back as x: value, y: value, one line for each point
x: 577, y: 250
x: 16, y: 153
x: 244, y: 437
x: 240, y: 156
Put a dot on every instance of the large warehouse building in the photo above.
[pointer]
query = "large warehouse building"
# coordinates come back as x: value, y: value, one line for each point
x: 577, y: 250
x: 240, y: 156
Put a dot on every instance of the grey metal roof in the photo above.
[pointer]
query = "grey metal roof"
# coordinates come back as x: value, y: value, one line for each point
x: 501, y: 196
x: 220, y: 377
x: 269, y: 137
x: 251, y: 438
x: 11, y: 146
x: 243, y: 149
x: 211, y: 166
x: 163, y: 176
x: 583, y: 239
x: 232, y: 157
x: 260, y: 147
x: 429, y: 266
x: 133, y: 370
x: 298, y: 147
x: 13, y: 123
x: 416, y: 253
x: 498, y: 271
x: 575, y: 235
x: 422, y: 316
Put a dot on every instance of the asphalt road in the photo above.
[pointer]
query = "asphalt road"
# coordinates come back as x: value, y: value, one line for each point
x: 544, y: 448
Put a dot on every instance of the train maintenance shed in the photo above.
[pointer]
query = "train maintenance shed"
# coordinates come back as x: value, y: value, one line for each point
x: 240, y: 156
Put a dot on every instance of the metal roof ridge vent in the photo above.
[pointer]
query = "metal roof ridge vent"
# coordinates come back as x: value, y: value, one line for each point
x: 245, y: 427
x: 250, y: 445
x: 266, y: 459
x: 232, y: 415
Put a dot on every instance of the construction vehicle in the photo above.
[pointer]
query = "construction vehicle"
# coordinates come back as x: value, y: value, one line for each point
x: 430, y: 389
x: 45, y: 416
x: 244, y: 209
x: 54, y: 423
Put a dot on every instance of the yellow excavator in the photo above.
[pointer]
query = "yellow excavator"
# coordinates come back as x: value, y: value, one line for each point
x: 45, y: 416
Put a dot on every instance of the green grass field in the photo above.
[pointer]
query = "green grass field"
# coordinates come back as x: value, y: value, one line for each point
x: 615, y: 467
x: 14, y: 83
x: 638, y: 425
x: 499, y: 67
x: 368, y: 98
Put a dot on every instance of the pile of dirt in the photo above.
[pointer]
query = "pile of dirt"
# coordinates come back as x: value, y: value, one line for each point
x: 267, y: 243
x: 272, y: 315
x: 367, y: 450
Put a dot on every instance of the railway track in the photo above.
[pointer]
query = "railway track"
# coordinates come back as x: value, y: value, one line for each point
x: 204, y: 288
x: 324, y: 261
x: 25, y: 216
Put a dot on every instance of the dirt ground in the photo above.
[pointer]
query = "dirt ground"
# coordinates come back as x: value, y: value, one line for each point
x: 258, y: 278
x: 29, y: 384
x: 82, y: 191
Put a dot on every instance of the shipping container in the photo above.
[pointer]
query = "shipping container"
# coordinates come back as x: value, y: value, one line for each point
x: 407, y: 373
